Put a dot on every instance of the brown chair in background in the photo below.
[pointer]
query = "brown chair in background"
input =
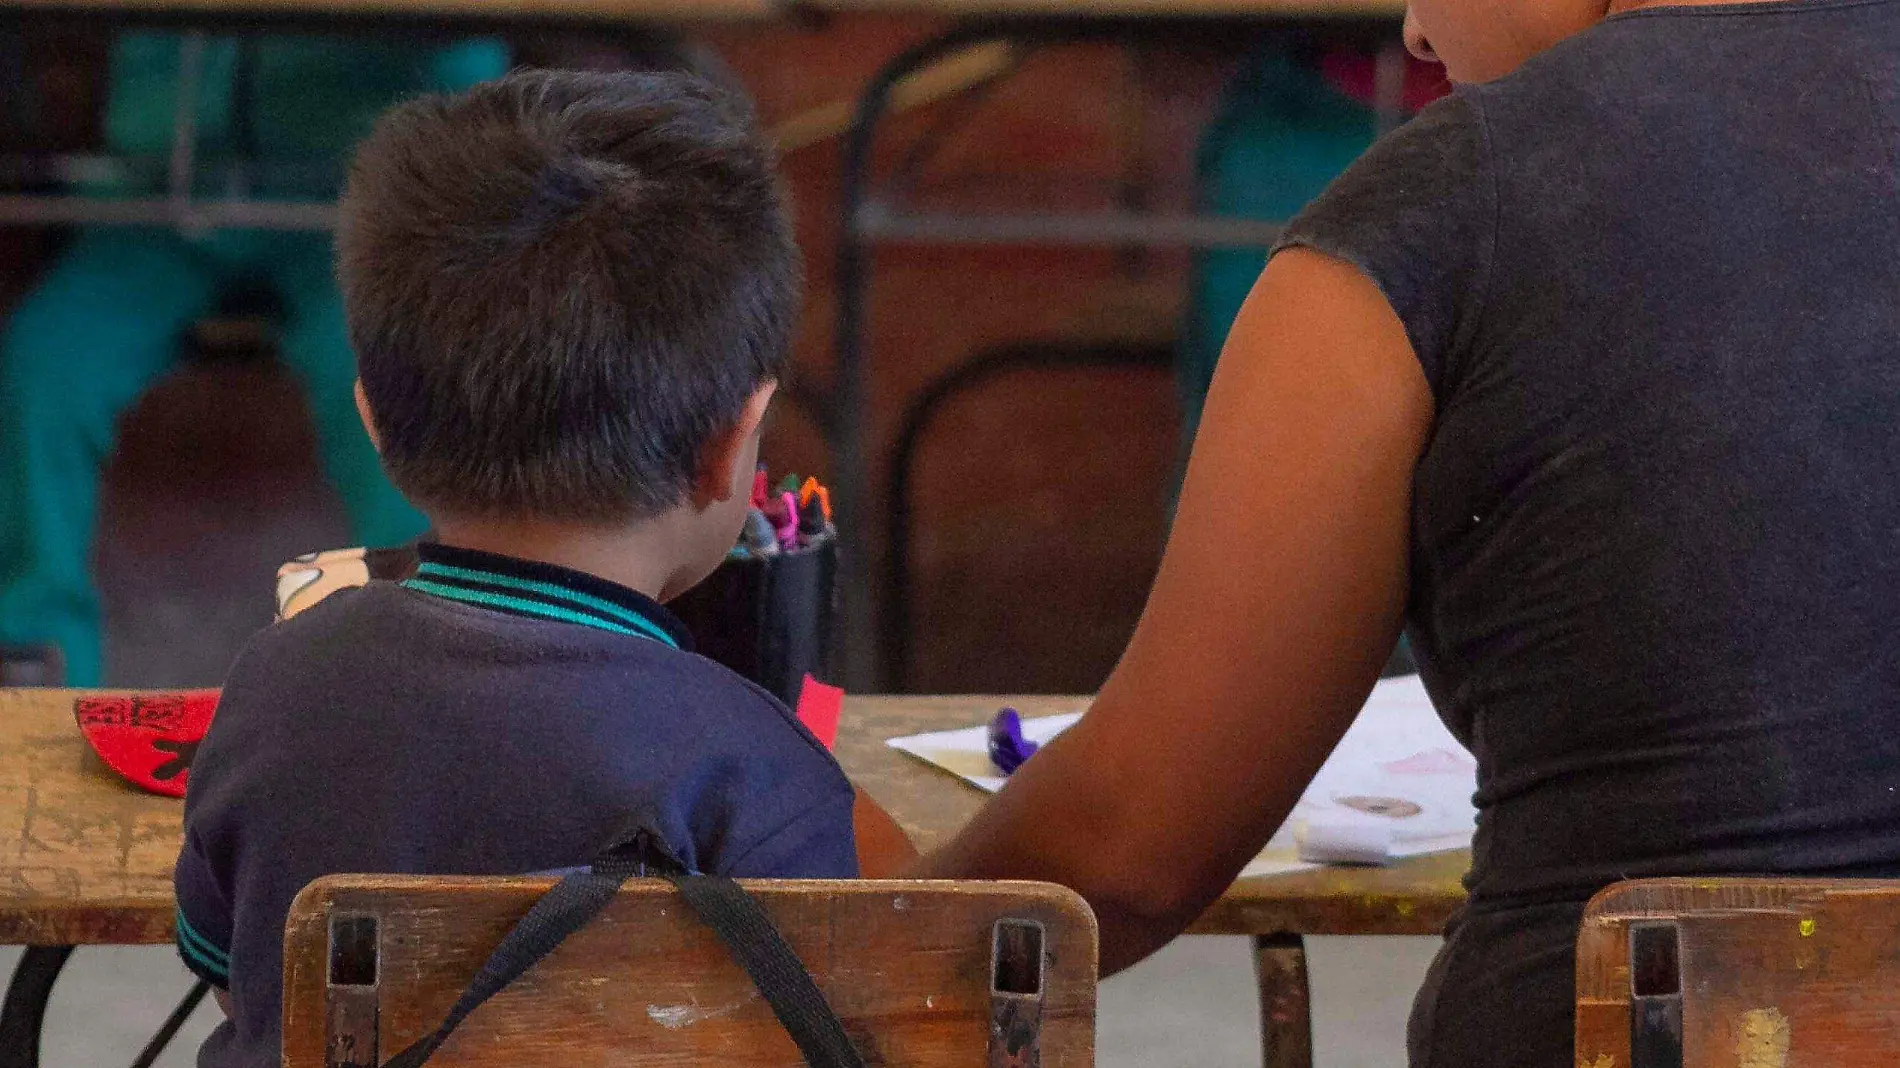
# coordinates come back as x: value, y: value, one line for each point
x: 922, y: 974
x: 1740, y: 973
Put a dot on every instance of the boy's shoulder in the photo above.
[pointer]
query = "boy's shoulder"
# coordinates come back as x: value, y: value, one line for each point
x: 383, y: 684
x: 380, y: 635
x: 373, y: 615
x: 751, y: 715
x: 740, y: 692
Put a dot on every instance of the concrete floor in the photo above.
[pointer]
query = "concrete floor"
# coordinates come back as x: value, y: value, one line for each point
x: 173, y: 563
x: 1191, y: 1006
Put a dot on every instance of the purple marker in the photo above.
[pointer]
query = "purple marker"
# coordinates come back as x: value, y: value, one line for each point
x: 1008, y: 748
x: 786, y: 523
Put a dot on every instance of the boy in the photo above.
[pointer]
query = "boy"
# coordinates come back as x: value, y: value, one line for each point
x: 571, y: 296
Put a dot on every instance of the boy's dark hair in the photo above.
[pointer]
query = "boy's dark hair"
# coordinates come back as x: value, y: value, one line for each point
x: 560, y: 286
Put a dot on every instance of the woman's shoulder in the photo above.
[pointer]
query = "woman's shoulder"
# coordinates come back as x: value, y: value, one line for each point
x: 1416, y: 215
x: 1430, y: 157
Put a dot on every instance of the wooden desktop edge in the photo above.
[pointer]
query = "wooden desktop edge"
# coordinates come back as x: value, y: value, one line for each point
x: 1414, y: 897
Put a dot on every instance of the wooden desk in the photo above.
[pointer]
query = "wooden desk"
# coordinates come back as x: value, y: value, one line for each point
x: 1413, y: 898
x: 86, y: 859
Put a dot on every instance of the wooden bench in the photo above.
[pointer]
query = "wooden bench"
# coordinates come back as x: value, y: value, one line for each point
x: 1740, y: 973
x: 919, y: 973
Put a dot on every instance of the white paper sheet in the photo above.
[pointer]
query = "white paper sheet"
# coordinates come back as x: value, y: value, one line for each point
x: 1397, y: 785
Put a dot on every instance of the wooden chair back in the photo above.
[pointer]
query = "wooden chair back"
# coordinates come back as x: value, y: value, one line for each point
x: 921, y: 973
x: 1740, y: 973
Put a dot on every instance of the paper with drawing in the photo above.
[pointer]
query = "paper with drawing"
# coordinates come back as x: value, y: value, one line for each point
x: 1397, y: 785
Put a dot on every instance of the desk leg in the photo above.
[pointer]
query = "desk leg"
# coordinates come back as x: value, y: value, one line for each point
x: 1286, y: 1016
x: 25, y: 1006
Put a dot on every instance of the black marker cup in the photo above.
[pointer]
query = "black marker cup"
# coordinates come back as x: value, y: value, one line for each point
x: 769, y: 617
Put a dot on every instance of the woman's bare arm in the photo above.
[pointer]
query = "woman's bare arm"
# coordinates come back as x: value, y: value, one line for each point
x: 1279, y: 598
x: 884, y: 850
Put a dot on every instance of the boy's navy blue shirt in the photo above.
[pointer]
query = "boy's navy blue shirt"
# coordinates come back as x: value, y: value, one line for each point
x: 489, y: 716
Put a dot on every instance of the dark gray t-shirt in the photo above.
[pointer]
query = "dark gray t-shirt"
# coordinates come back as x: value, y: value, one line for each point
x: 489, y: 716
x: 1653, y: 279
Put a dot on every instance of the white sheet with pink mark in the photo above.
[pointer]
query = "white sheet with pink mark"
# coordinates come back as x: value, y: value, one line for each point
x: 1397, y: 785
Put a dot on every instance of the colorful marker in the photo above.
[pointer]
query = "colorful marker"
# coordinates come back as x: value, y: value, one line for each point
x: 811, y: 521
x: 786, y: 522
x: 760, y: 484
x: 813, y: 488
x: 774, y: 508
x: 757, y: 536
x: 1008, y: 748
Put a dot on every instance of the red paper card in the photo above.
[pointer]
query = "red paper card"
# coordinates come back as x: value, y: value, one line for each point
x: 149, y: 738
x: 819, y: 707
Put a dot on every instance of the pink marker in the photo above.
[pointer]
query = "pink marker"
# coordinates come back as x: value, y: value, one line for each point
x: 785, y: 524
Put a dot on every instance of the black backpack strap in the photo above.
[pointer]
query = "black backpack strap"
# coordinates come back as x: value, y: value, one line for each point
x: 782, y: 979
x: 720, y: 903
x: 573, y: 901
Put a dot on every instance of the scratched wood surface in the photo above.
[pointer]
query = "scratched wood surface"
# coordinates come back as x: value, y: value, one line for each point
x: 906, y: 966
x: 1774, y: 973
x: 85, y: 858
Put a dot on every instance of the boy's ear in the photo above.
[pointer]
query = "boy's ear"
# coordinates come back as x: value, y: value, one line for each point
x: 369, y: 421
x: 727, y: 461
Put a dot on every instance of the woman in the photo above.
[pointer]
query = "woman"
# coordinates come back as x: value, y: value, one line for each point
x: 1590, y: 374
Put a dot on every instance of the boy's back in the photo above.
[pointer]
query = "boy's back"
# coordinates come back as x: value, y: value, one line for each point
x: 571, y: 297
x: 390, y: 729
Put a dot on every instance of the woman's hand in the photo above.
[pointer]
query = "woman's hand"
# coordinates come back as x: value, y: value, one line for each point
x: 1278, y: 600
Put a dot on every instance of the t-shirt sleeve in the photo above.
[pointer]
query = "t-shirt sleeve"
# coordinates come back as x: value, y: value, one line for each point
x: 204, y: 915
x: 818, y: 843
x: 1418, y: 215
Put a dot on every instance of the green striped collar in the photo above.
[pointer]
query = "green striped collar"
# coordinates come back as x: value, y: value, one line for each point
x: 542, y: 591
